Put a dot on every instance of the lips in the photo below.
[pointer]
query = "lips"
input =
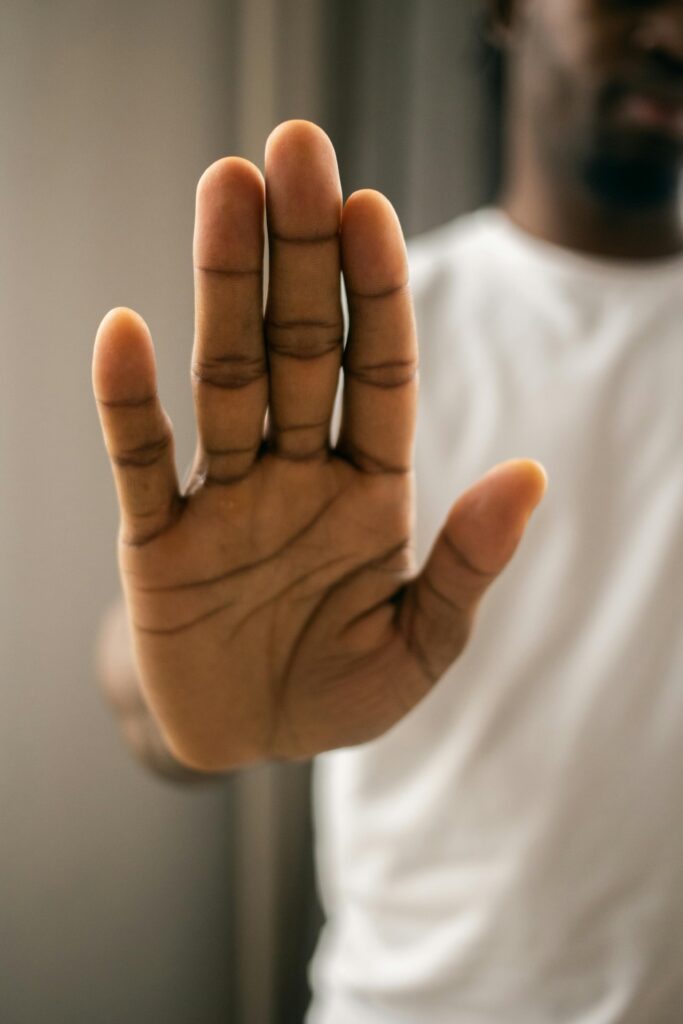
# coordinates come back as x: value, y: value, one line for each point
x: 661, y: 114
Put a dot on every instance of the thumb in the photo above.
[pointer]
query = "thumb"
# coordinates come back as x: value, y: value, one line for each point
x: 478, y: 539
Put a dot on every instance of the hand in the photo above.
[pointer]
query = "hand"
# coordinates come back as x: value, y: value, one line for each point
x: 273, y: 603
x: 118, y: 676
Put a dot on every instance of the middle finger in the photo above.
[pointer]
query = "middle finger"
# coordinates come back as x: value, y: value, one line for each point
x: 304, y: 322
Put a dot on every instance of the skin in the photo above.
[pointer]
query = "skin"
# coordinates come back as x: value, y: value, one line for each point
x: 582, y: 171
x: 273, y: 602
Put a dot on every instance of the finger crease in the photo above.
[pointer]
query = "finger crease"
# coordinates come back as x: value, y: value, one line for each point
x: 369, y: 463
x: 304, y: 351
x: 285, y: 325
x: 464, y: 562
x: 384, y: 375
x: 386, y: 293
x: 127, y: 403
x: 230, y: 271
x: 313, y: 455
x: 229, y: 371
x: 290, y: 427
x: 139, y: 539
x: 144, y: 455
x: 303, y: 239
x: 444, y: 598
x: 216, y: 453
x: 225, y: 479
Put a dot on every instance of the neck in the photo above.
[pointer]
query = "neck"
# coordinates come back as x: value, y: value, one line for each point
x: 559, y: 211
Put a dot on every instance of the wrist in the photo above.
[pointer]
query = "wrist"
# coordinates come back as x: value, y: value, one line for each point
x: 144, y: 739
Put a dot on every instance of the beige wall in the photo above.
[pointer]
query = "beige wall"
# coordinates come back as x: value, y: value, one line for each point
x: 115, y: 890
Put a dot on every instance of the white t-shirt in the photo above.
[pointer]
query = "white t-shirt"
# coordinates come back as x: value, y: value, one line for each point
x: 512, y: 851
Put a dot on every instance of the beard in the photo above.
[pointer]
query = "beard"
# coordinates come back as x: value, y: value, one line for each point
x: 627, y: 168
x: 633, y: 182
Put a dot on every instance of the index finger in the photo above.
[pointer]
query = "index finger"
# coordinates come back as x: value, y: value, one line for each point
x: 137, y: 431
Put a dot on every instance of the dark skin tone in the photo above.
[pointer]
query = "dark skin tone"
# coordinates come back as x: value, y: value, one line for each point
x: 594, y: 143
x: 274, y: 604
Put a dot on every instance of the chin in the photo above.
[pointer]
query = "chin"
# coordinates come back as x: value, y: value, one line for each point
x: 639, y: 177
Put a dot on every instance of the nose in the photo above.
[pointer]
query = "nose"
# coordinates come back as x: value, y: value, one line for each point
x: 661, y: 30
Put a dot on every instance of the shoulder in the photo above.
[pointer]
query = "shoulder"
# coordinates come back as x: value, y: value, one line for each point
x: 443, y: 255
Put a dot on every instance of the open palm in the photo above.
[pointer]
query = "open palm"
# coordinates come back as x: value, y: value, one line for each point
x: 274, y: 605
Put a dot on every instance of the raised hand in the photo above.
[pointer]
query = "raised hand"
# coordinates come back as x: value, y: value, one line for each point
x: 273, y: 603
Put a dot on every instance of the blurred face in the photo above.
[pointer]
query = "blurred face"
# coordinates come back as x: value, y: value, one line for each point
x: 601, y: 82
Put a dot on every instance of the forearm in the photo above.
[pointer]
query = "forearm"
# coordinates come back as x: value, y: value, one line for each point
x: 118, y: 679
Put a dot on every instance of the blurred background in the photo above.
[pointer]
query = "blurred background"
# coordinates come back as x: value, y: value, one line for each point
x: 122, y: 897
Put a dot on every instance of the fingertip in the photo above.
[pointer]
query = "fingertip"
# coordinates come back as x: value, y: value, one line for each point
x: 533, y: 468
x: 229, y: 185
x: 120, y: 321
x: 229, y: 171
x: 228, y: 231
x: 299, y: 134
x: 373, y: 248
x: 528, y: 476
x: 303, y: 188
x: 123, y: 366
x: 490, y: 518
x: 368, y: 202
x: 541, y: 476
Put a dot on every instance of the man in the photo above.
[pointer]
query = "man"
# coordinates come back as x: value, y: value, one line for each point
x: 507, y: 845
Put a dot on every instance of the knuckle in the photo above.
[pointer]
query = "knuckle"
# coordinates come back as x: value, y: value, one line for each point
x: 143, y: 455
x: 390, y: 374
x: 304, y: 339
x: 231, y: 371
x: 369, y: 463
